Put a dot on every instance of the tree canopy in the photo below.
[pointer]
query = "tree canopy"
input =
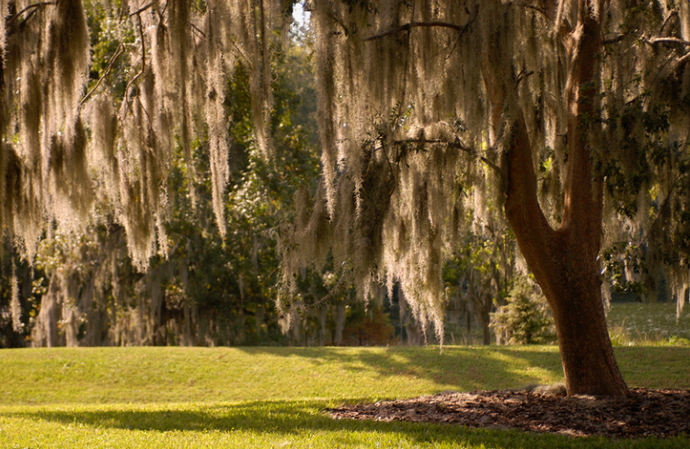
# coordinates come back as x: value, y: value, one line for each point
x: 415, y: 140
x: 567, y: 118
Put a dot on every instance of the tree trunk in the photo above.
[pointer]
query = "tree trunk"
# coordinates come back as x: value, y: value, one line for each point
x: 565, y: 264
x: 487, y: 335
x: 589, y: 364
x: 565, y: 261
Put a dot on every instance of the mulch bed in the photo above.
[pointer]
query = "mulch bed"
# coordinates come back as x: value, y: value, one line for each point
x: 646, y: 412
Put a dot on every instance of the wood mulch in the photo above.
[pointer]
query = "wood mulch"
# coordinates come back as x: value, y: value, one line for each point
x: 645, y: 412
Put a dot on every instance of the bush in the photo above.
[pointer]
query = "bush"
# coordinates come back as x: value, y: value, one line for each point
x: 367, y: 326
x: 525, y: 318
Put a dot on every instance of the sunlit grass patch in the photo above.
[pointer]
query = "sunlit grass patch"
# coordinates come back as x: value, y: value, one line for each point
x: 268, y: 424
x: 274, y: 397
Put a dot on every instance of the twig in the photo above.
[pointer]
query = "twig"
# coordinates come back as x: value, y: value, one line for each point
x: 542, y: 11
x: 241, y: 53
x: 522, y: 75
x: 141, y: 72
x: 668, y: 19
x: 196, y: 28
x: 338, y: 21
x: 331, y: 292
x: 109, y: 67
x: 682, y: 59
x: 409, y: 26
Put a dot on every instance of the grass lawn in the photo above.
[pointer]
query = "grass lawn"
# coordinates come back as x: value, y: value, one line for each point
x: 637, y: 323
x: 273, y: 397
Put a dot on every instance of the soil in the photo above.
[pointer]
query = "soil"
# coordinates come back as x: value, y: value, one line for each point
x: 645, y: 412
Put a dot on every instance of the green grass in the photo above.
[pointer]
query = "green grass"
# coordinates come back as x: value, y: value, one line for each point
x: 648, y: 324
x: 273, y: 397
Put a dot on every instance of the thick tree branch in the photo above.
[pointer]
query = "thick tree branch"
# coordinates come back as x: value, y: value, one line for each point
x: 29, y: 7
x: 434, y: 24
x: 534, y: 234
x: 667, y: 40
x: 140, y: 10
x: 583, y: 203
x: 457, y: 144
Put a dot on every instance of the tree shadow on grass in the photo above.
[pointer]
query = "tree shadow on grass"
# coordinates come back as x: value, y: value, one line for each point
x: 458, y: 367
x: 304, y: 418
x: 466, y: 368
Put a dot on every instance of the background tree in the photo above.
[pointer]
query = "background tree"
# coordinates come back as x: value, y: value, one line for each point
x: 524, y: 318
x: 479, y: 275
x: 194, y: 286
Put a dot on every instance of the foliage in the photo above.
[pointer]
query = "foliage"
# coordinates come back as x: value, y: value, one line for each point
x: 525, y: 318
x: 478, y: 275
x: 15, y: 304
x: 409, y: 147
x: 367, y: 327
x: 204, y: 288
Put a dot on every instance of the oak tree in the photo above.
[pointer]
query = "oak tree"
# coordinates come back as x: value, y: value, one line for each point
x: 566, y: 117
x: 571, y: 116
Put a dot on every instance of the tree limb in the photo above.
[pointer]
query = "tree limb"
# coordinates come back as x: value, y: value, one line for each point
x: 434, y: 24
x: 667, y: 40
x: 140, y: 10
x: 614, y: 39
x: 106, y: 72
x: 682, y: 59
x: 548, y: 8
x: 457, y: 144
x: 674, y: 14
x: 648, y: 41
x: 32, y: 6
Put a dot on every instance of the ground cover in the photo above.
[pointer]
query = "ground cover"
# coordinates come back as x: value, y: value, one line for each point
x: 636, y: 323
x: 544, y: 409
x: 276, y: 397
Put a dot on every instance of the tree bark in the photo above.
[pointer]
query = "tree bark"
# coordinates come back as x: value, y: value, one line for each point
x: 564, y: 261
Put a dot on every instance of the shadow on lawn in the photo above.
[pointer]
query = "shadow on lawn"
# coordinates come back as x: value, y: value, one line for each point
x: 295, y: 419
x: 464, y: 368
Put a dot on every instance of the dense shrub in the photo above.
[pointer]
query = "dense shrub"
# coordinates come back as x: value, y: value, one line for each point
x: 525, y: 318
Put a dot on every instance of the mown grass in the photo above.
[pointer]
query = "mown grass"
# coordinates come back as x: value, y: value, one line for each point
x: 274, y: 397
x: 648, y: 324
